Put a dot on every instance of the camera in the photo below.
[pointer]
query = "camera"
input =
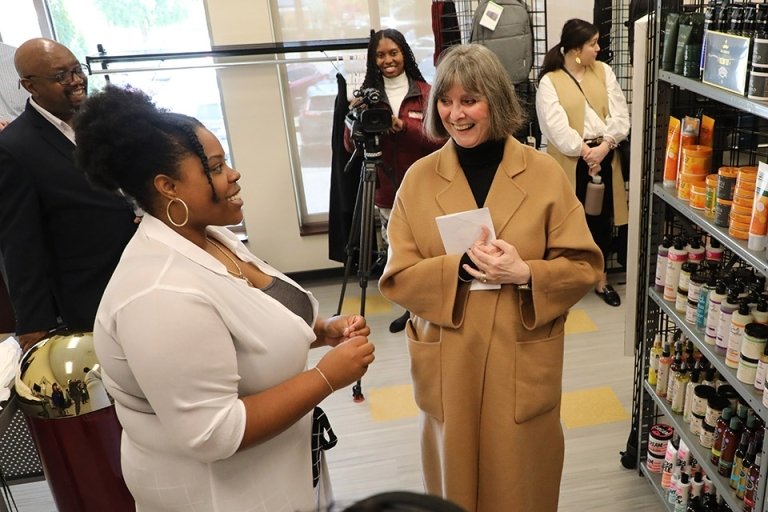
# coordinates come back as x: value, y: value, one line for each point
x: 368, y: 117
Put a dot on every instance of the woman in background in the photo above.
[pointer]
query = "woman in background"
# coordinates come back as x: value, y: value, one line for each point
x: 583, y: 114
x: 392, y: 70
x: 203, y: 346
x: 486, y: 334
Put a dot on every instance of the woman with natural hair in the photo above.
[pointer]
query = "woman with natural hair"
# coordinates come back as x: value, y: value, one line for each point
x: 583, y: 115
x: 486, y: 333
x: 202, y: 345
x: 392, y: 70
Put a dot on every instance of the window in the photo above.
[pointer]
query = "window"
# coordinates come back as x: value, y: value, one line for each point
x: 311, y: 86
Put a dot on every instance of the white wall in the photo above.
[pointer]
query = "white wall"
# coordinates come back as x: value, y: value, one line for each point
x: 254, y: 115
x: 560, y: 11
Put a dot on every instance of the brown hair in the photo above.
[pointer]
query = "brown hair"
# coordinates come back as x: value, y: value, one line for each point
x: 479, y: 71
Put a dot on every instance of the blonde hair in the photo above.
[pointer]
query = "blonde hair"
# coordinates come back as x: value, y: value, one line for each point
x: 479, y: 72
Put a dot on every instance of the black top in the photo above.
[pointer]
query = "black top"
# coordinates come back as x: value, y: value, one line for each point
x: 479, y: 165
x: 290, y: 297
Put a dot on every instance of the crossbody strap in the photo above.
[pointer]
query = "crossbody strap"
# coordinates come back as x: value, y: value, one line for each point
x: 579, y: 86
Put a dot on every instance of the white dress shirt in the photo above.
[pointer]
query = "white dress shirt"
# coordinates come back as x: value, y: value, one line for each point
x: 553, y: 120
x: 180, y: 341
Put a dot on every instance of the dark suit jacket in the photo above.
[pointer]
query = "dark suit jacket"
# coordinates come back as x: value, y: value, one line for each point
x: 60, y: 237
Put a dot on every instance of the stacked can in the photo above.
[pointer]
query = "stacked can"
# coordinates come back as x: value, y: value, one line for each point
x: 658, y: 438
x: 715, y: 405
x: 695, y: 165
x: 743, y: 197
x: 758, y: 227
x: 753, y: 344
x: 726, y: 182
x: 701, y: 395
x: 757, y: 89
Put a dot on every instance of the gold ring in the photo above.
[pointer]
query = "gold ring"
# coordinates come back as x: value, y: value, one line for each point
x: 484, y: 278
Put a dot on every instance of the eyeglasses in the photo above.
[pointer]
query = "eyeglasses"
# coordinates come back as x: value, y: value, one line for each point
x: 64, y: 77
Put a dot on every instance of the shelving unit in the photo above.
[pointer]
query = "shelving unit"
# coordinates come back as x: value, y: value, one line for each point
x: 663, y: 212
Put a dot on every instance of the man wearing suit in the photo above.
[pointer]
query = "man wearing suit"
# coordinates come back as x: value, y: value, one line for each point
x: 60, y: 237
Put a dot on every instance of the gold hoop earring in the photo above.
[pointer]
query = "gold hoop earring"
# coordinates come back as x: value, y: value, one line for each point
x: 186, y: 212
x: 578, y: 60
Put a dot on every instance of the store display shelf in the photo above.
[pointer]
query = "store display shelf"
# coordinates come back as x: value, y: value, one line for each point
x: 701, y: 454
x: 655, y: 480
x: 752, y: 396
x: 756, y: 259
x: 723, y: 96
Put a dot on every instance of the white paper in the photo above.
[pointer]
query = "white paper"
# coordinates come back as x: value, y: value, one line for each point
x: 460, y: 230
x: 491, y: 16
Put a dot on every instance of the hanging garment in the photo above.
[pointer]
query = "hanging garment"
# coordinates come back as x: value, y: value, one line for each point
x: 445, y: 27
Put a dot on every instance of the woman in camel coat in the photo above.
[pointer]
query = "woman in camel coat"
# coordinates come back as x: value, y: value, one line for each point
x: 487, y: 364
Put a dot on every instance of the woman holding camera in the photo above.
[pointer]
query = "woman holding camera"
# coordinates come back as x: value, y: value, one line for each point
x: 391, y: 68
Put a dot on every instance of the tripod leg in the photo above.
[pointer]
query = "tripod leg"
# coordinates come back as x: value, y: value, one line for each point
x: 367, y: 224
x: 352, y: 246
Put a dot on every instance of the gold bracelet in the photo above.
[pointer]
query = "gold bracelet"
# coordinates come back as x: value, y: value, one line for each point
x: 325, y: 379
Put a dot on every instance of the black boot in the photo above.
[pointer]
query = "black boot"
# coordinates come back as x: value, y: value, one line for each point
x: 398, y: 324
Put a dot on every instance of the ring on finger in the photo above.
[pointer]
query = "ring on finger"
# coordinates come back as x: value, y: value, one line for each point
x: 484, y: 278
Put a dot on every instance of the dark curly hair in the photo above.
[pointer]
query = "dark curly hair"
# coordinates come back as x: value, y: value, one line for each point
x: 124, y: 141
x: 373, y: 76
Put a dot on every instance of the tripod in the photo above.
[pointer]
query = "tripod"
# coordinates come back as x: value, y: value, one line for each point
x: 361, y: 231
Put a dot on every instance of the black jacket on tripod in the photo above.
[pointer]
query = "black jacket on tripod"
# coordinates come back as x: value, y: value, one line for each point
x: 344, y: 185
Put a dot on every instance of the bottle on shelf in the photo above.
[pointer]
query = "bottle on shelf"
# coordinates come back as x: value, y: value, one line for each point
x: 713, y: 252
x: 661, y: 263
x: 668, y: 466
x: 739, y: 319
x: 722, y: 425
x: 727, y: 307
x: 662, y: 379
x: 695, y: 377
x: 753, y: 481
x: 730, y: 444
x: 703, y: 305
x: 674, y: 369
x: 696, y: 253
x: 738, y: 459
x: 682, y: 493
x: 653, y: 359
x: 593, y: 200
x: 716, y: 297
x: 684, y: 282
x: 697, y: 485
x: 760, y: 313
x: 696, y: 286
x: 746, y: 467
x: 675, y: 258
x: 682, y: 378
x: 710, y: 377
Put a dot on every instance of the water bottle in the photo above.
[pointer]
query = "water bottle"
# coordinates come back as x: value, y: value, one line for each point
x: 593, y: 201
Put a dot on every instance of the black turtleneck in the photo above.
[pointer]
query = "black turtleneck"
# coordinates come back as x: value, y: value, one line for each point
x: 479, y: 164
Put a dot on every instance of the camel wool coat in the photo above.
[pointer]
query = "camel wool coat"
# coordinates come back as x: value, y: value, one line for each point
x: 487, y: 365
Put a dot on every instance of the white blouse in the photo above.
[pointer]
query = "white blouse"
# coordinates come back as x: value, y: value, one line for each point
x: 553, y: 120
x: 180, y: 341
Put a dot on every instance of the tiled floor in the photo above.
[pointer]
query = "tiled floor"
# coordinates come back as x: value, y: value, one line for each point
x: 378, y: 439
